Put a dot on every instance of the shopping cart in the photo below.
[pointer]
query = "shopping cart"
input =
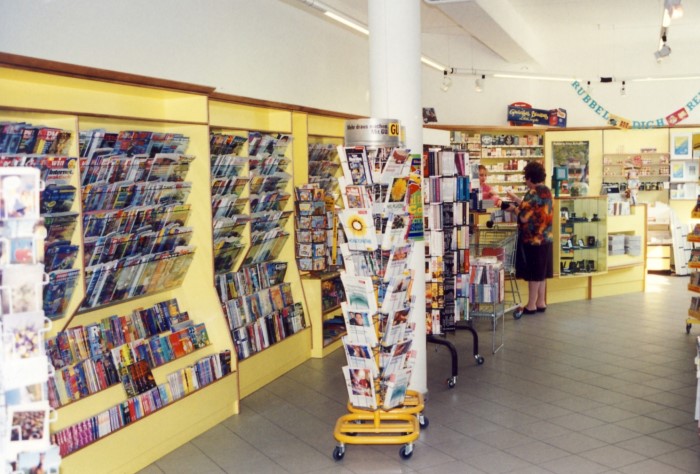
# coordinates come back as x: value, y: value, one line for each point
x: 499, y: 241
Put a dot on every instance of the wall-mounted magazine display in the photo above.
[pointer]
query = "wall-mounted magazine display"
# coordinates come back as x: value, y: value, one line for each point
x: 249, y: 196
x: 229, y: 180
x: 324, y: 165
x: 24, y: 368
x: 134, y: 200
x: 377, y: 281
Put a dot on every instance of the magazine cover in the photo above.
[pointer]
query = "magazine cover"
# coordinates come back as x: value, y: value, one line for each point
x: 360, y: 385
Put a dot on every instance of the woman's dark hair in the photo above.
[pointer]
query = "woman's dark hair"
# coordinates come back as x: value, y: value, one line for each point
x: 534, y: 171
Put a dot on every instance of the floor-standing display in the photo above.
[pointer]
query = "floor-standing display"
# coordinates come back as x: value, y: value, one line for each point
x: 25, y: 412
x: 378, y: 310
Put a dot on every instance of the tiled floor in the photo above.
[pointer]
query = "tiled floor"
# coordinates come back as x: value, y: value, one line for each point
x: 602, y: 386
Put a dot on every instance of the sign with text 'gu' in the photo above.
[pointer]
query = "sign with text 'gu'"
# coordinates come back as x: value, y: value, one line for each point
x: 373, y: 132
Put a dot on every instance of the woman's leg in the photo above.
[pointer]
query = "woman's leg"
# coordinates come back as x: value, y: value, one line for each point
x: 542, y: 294
x: 533, y: 288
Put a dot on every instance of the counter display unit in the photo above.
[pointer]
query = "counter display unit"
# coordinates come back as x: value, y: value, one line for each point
x: 580, y: 239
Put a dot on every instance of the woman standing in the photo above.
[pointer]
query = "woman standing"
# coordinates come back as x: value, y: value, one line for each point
x: 533, y: 261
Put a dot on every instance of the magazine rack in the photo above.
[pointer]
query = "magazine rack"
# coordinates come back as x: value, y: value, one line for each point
x: 378, y: 311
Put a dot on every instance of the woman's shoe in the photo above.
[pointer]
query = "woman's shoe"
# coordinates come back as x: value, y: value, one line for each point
x: 541, y: 310
x: 529, y: 311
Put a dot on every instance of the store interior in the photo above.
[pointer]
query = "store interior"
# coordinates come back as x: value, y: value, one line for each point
x: 582, y: 388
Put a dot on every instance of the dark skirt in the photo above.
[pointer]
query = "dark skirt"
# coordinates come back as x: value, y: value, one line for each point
x: 534, y: 262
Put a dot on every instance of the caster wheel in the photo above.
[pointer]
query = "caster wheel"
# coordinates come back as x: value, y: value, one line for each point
x: 451, y: 382
x: 338, y: 453
x: 406, y: 451
x: 479, y: 359
x: 687, y: 328
x: 518, y: 313
x: 423, y: 421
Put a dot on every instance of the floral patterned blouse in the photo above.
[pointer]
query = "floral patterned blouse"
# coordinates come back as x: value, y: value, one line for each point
x: 535, y: 216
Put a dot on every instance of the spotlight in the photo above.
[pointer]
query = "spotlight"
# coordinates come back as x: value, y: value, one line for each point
x: 446, y: 82
x: 479, y: 83
x: 623, y: 90
x: 662, y: 53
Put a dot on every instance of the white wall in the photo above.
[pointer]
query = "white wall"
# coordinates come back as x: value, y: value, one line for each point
x: 270, y: 49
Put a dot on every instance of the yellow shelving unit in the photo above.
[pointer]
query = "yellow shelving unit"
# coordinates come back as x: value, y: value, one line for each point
x: 76, y: 98
x: 228, y: 115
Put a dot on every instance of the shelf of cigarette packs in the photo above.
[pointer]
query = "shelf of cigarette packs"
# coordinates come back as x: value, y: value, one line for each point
x: 378, y: 311
x: 136, y: 240
x: 250, y: 280
x: 45, y: 148
x: 25, y: 413
x: 447, y: 199
x: 694, y: 265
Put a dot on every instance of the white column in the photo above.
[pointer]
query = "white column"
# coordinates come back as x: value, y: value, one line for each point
x: 395, y: 93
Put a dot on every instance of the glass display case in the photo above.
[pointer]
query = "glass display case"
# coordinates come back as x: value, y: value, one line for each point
x: 580, y: 236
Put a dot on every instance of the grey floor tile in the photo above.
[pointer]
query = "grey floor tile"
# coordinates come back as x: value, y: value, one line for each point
x: 497, y: 462
x: 612, y: 456
x: 644, y: 424
x: 647, y: 446
x: 681, y: 437
x: 575, y: 443
x: 537, y: 452
x: 651, y: 466
x: 686, y: 459
x: 574, y: 464
x: 611, y: 433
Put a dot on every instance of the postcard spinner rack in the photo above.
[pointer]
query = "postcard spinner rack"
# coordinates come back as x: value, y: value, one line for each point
x: 378, y: 312
x: 25, y: 413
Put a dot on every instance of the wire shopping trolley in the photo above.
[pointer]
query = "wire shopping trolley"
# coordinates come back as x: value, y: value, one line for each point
x: 495, y: 291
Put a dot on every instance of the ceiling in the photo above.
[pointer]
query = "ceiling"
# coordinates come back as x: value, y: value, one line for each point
x: 582, y: 38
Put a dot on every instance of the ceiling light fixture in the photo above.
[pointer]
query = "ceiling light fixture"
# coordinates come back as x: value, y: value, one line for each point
x: 673, y: 9
x: 434, y: 64
x: 446, y: 82
x: 662, y: 52
x: 479, y: 83
x: 357, y: 26
x: 539, y: 78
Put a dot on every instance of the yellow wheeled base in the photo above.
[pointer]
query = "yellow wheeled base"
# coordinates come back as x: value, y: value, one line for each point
x: 693, y: 318
x: 412, y: 405
x: 399, y: 425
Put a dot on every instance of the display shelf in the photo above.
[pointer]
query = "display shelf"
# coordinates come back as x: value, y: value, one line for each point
x: 85, y: 98
x: 324, y: 288
x: 627, y: 272
x: 228, y: 115
x: 580, y: 236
